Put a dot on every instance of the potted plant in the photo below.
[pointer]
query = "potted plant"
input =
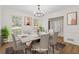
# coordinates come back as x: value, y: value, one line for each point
x: 41, y: 29
x: 4, y: 33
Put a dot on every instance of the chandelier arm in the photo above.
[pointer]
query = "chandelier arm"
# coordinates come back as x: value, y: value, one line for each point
x: 38, y: 7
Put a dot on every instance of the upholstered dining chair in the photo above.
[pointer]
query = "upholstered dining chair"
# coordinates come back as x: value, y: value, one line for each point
x: 57, y: 47
x: 17, y: 44
x: 42, y: 46
x: 53, y: 41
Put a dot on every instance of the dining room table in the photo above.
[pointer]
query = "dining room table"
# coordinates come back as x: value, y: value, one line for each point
x: 26, y: 38
x: 30, y: 37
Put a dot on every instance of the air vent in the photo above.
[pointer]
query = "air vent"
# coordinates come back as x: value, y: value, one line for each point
x: 71, y: 39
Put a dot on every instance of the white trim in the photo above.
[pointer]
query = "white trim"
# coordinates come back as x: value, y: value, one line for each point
x: 75, y: 43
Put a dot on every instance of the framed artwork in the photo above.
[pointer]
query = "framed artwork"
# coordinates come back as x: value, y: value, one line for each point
x: 16, y: 24
x: 72, y: 18
x: 16, y: 21
x: 27, y: 20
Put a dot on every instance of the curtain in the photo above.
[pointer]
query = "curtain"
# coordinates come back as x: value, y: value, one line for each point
x: 57, y: 25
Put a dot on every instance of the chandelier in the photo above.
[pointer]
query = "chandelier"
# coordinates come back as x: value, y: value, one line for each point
x: 39, y: 13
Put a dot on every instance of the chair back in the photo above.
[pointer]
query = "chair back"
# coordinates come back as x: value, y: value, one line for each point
x: 14, y: 40
x: 44, y: 41
x: 54, y: 39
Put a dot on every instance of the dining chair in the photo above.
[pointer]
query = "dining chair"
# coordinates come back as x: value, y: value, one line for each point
x: 53, y: 42
x: 18, y: 45
x: 57, y: 47
x: 42, y: 46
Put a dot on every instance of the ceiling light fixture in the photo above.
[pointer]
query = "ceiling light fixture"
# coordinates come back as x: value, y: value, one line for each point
x: 39, y: 13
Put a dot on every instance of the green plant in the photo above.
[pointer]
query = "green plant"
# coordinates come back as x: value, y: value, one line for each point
x: 4, y: 32
x: 41, y: 29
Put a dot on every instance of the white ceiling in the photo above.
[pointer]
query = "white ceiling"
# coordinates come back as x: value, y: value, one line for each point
x: 32, y: 8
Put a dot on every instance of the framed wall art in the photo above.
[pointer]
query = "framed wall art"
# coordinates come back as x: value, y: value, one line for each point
x: 27, y: 20
x: 16, y: 25
x: 72, y: 18
x: 16, y: 21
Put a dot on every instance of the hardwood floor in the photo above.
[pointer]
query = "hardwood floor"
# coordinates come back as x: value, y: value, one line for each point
x: 68, y: 49
x: 2, y: 48
x: 71, y: 49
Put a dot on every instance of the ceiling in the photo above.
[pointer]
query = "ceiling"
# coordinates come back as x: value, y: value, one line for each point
x: 33, y: 8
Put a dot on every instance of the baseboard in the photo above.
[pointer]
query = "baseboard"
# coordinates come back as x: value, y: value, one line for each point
x: 74, y: 43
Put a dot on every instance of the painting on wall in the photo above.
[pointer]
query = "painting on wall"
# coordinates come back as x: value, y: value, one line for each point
x: 16, y: 24
x: 16, y: 21
x: 27, y: 20
x: 72, y: 18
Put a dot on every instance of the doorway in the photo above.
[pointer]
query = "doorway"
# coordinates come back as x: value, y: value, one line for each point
x: 57, y: 24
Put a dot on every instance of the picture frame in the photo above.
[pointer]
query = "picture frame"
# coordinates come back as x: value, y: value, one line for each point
x: 27, y: 20
x: 16, y: 21
x: 72, y: 18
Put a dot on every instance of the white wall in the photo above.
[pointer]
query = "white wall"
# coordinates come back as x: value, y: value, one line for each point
x: 0, y: 17
x: 7, y: 13
x: 70, y: 31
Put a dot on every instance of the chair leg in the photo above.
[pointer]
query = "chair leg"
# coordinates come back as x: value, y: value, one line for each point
x: 47, y: 52
x: 24, y: 50
x: 53, y: 48
x: 29, y: 50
